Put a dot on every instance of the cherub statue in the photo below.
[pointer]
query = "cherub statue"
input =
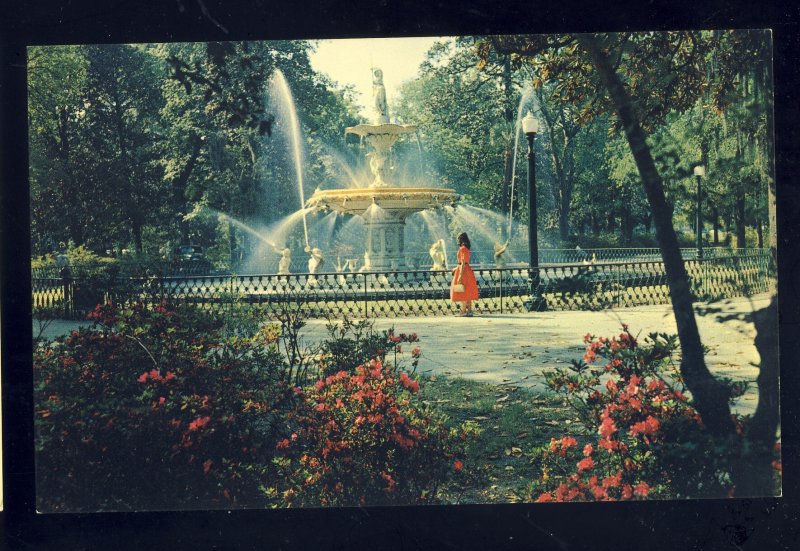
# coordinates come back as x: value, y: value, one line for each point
x: 339, y: 270
x: 367, y: 263
x: 438, y: 255
x: 499, y: 250
x: 315, y: 262
x: 285, y: 263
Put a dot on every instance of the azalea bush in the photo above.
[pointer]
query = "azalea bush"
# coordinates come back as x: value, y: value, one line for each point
x: 153, y: 408
x: 174, y: 407
x: 642, y: 437
x: 364, y: 438
x: 350, y: 344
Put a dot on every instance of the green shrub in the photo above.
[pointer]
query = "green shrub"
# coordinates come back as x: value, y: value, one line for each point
x: 154, y: 409
x: 351, y: 344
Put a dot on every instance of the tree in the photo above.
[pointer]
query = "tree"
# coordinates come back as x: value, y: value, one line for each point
x: 123, y: 103
x: 61, y: 203
x: 241, y: 166
x: 562, y: 123
x: 661, y: 73
x: 466, y: 118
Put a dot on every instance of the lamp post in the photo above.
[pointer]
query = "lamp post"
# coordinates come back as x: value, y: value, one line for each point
x: 530, y: 126
x: 699, y: 173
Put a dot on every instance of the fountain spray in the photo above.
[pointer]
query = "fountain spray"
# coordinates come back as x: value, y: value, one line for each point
x: 279, y: 82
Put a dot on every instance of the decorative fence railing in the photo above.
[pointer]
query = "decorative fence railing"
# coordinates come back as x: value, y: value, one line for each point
x: 421, y: 260
x: 418, y: 260
x: 572, y: 286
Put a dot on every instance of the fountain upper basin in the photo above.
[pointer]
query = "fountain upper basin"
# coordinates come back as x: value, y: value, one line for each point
x: 397, y: 200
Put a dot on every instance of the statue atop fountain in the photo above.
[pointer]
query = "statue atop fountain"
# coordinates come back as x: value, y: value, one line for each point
x: 380, y: 107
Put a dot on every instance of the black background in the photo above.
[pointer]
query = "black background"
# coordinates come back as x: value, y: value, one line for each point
x: 711, y: 524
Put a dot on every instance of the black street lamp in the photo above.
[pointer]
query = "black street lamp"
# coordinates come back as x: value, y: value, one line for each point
x: 530, y: 126
x: 699, y: 172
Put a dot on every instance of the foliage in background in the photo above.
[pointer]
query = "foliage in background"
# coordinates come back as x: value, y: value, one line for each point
x: 141, y: 146
x: 127, y: 141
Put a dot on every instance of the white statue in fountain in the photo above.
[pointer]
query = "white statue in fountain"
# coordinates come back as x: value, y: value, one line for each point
x: 438, y: 255
x: 285, y: 263
x: 315, y: 262
x: 499, y: 250
x: 367, y: 263
x: 339, y: 270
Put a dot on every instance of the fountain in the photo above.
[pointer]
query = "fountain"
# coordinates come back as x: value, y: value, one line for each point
x: 383, y: 206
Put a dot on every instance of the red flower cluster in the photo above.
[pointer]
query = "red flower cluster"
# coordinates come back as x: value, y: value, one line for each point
x: 629, y: 413
x: 362, y: 439
x: 155, y: 375
x: 199, y: 423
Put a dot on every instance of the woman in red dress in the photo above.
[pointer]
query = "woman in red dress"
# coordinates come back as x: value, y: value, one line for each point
x: 464, y: 287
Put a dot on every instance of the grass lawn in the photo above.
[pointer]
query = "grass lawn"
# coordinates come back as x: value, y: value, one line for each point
x: 513, y: 421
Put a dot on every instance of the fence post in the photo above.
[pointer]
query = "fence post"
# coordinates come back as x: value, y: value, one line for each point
x: 66, y: 282
x: 501, y: 290
x: 366, y: 310
x: 230, y: 303
x: 703, y: 278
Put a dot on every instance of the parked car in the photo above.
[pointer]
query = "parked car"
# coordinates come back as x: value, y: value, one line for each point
x: 191, y: 260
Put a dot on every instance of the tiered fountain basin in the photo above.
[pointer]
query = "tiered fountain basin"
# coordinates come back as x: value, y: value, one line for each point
x: 399, y: 201
x: 385, y: 129
x: 384, y: 210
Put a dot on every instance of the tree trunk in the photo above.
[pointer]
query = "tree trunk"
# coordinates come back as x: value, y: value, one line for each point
x: 611, y: 222
x: 74, y: 225
x: 563, y: 217
x: 715, y: 216
x: 760, y: 232
x: 508, y: 114
x: 755, y: 473
x: 179, y: 187
x: 769, y: 113
x: 648, y: 222
x: 595, y: 225
x: 740, y: 226
x: 136, y: 231
x: 567, y: 178
x: 626, y: 223
x: 710, y: 395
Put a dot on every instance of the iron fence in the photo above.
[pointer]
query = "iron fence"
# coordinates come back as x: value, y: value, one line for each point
x: 563, y: 286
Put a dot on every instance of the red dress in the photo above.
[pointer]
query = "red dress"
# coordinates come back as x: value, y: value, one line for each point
x: 467, y: 278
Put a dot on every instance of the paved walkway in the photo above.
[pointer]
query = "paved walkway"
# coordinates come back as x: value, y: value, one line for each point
x: 514, y: 349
